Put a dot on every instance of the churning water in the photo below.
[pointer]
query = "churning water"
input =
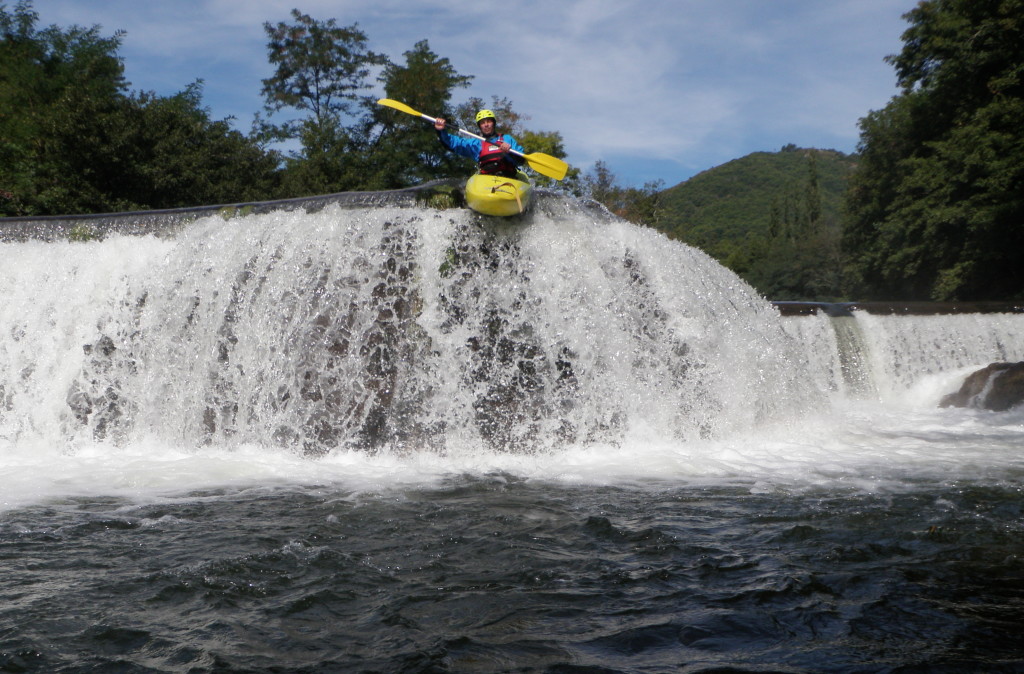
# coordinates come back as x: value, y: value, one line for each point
x: 397, y: 439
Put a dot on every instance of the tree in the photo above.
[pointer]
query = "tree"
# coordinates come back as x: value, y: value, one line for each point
x: 405, y: 150
x: 322, y: 69
x: 551, y: 142
x: 640, y: 205
x: 350, y: 143
x: 73, y: 141
x: 937, y: 203
x: 800, y: 256
x: 179, y: 156
x: 319, y: 67
x: 45, y: 75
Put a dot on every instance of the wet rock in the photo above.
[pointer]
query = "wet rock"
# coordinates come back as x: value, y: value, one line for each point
x: 998, y: 387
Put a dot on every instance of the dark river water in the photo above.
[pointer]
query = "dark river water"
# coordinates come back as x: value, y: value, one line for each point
x: 498, y: 574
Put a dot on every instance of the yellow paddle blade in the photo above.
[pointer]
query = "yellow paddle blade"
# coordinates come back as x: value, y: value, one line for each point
x: 545, y: 164
x: 397, y: 105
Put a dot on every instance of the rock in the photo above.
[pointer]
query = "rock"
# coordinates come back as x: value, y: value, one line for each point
x: 997, y: 387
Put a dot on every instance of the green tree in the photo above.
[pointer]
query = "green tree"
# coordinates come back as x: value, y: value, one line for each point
x: 405, y: 150
x: 44, y: 75
x: 803, y: 268
x: 799, y: 257
x: 350, y: 143
x: 551, y: 143
x: 641, y: 205
x: 773, y: 218
x: 319, y: 67
x: 938, y: 199
x: 73, y: 141
x: 812, y: 193
x: 601, y: 185
x: 173, y: 154
x: 145, y: 151
x: 323, y: 70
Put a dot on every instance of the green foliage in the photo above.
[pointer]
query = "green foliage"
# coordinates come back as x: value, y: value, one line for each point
x: 640, y: 205
x: 44, y: 76
x: 74, y: 142
x: 405, y: 150
x: 755, y: 193
x: 807, y: 268
x: 319, y: 67
x: 173, y: 154
x: 937, y: 204
x: 773, y: 218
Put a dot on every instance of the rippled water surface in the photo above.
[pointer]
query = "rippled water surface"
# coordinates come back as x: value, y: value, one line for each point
x: 494, y: 573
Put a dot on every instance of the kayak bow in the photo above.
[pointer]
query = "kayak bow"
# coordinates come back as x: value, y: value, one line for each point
x: 497, y: 195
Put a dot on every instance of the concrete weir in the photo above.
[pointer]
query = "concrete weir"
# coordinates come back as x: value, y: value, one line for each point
x: 898, y: 308
x: 167, y: 222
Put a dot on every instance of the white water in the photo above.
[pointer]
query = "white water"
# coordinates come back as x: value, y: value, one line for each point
x: 368, y: 349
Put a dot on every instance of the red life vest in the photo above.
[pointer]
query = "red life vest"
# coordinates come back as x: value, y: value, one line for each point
x: 495, y: 162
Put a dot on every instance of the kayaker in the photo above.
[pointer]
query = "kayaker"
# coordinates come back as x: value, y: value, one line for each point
x: 492, y: 154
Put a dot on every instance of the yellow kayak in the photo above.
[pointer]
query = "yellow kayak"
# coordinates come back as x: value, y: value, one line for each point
x: 496, y: 195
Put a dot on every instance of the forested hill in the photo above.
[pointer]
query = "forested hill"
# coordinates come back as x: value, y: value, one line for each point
x: 753, y: 209
x: 729, y: 201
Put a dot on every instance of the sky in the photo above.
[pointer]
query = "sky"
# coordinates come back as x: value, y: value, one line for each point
x: 657, y: 89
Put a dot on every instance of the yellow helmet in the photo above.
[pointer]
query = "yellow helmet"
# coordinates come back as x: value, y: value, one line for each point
x: 484, y: 114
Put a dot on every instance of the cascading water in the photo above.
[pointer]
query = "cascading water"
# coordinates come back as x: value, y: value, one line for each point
x: 384, y: 437
x: 388, y: 328
x: 883, y: 356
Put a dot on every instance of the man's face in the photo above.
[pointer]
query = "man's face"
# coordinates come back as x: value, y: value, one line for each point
x: 487, y: 126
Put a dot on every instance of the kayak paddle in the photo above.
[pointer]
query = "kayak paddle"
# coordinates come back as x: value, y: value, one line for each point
x: 545, y: 164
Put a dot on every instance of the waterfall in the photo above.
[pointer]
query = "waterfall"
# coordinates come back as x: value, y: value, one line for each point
x: 388, y: 326
x: 870, y: 355
x: 405, y: 328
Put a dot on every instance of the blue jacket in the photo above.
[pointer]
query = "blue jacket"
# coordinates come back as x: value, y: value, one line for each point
x: 470, y: 147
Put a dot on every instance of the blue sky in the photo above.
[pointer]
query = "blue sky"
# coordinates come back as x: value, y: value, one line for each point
x: 658, y: 89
